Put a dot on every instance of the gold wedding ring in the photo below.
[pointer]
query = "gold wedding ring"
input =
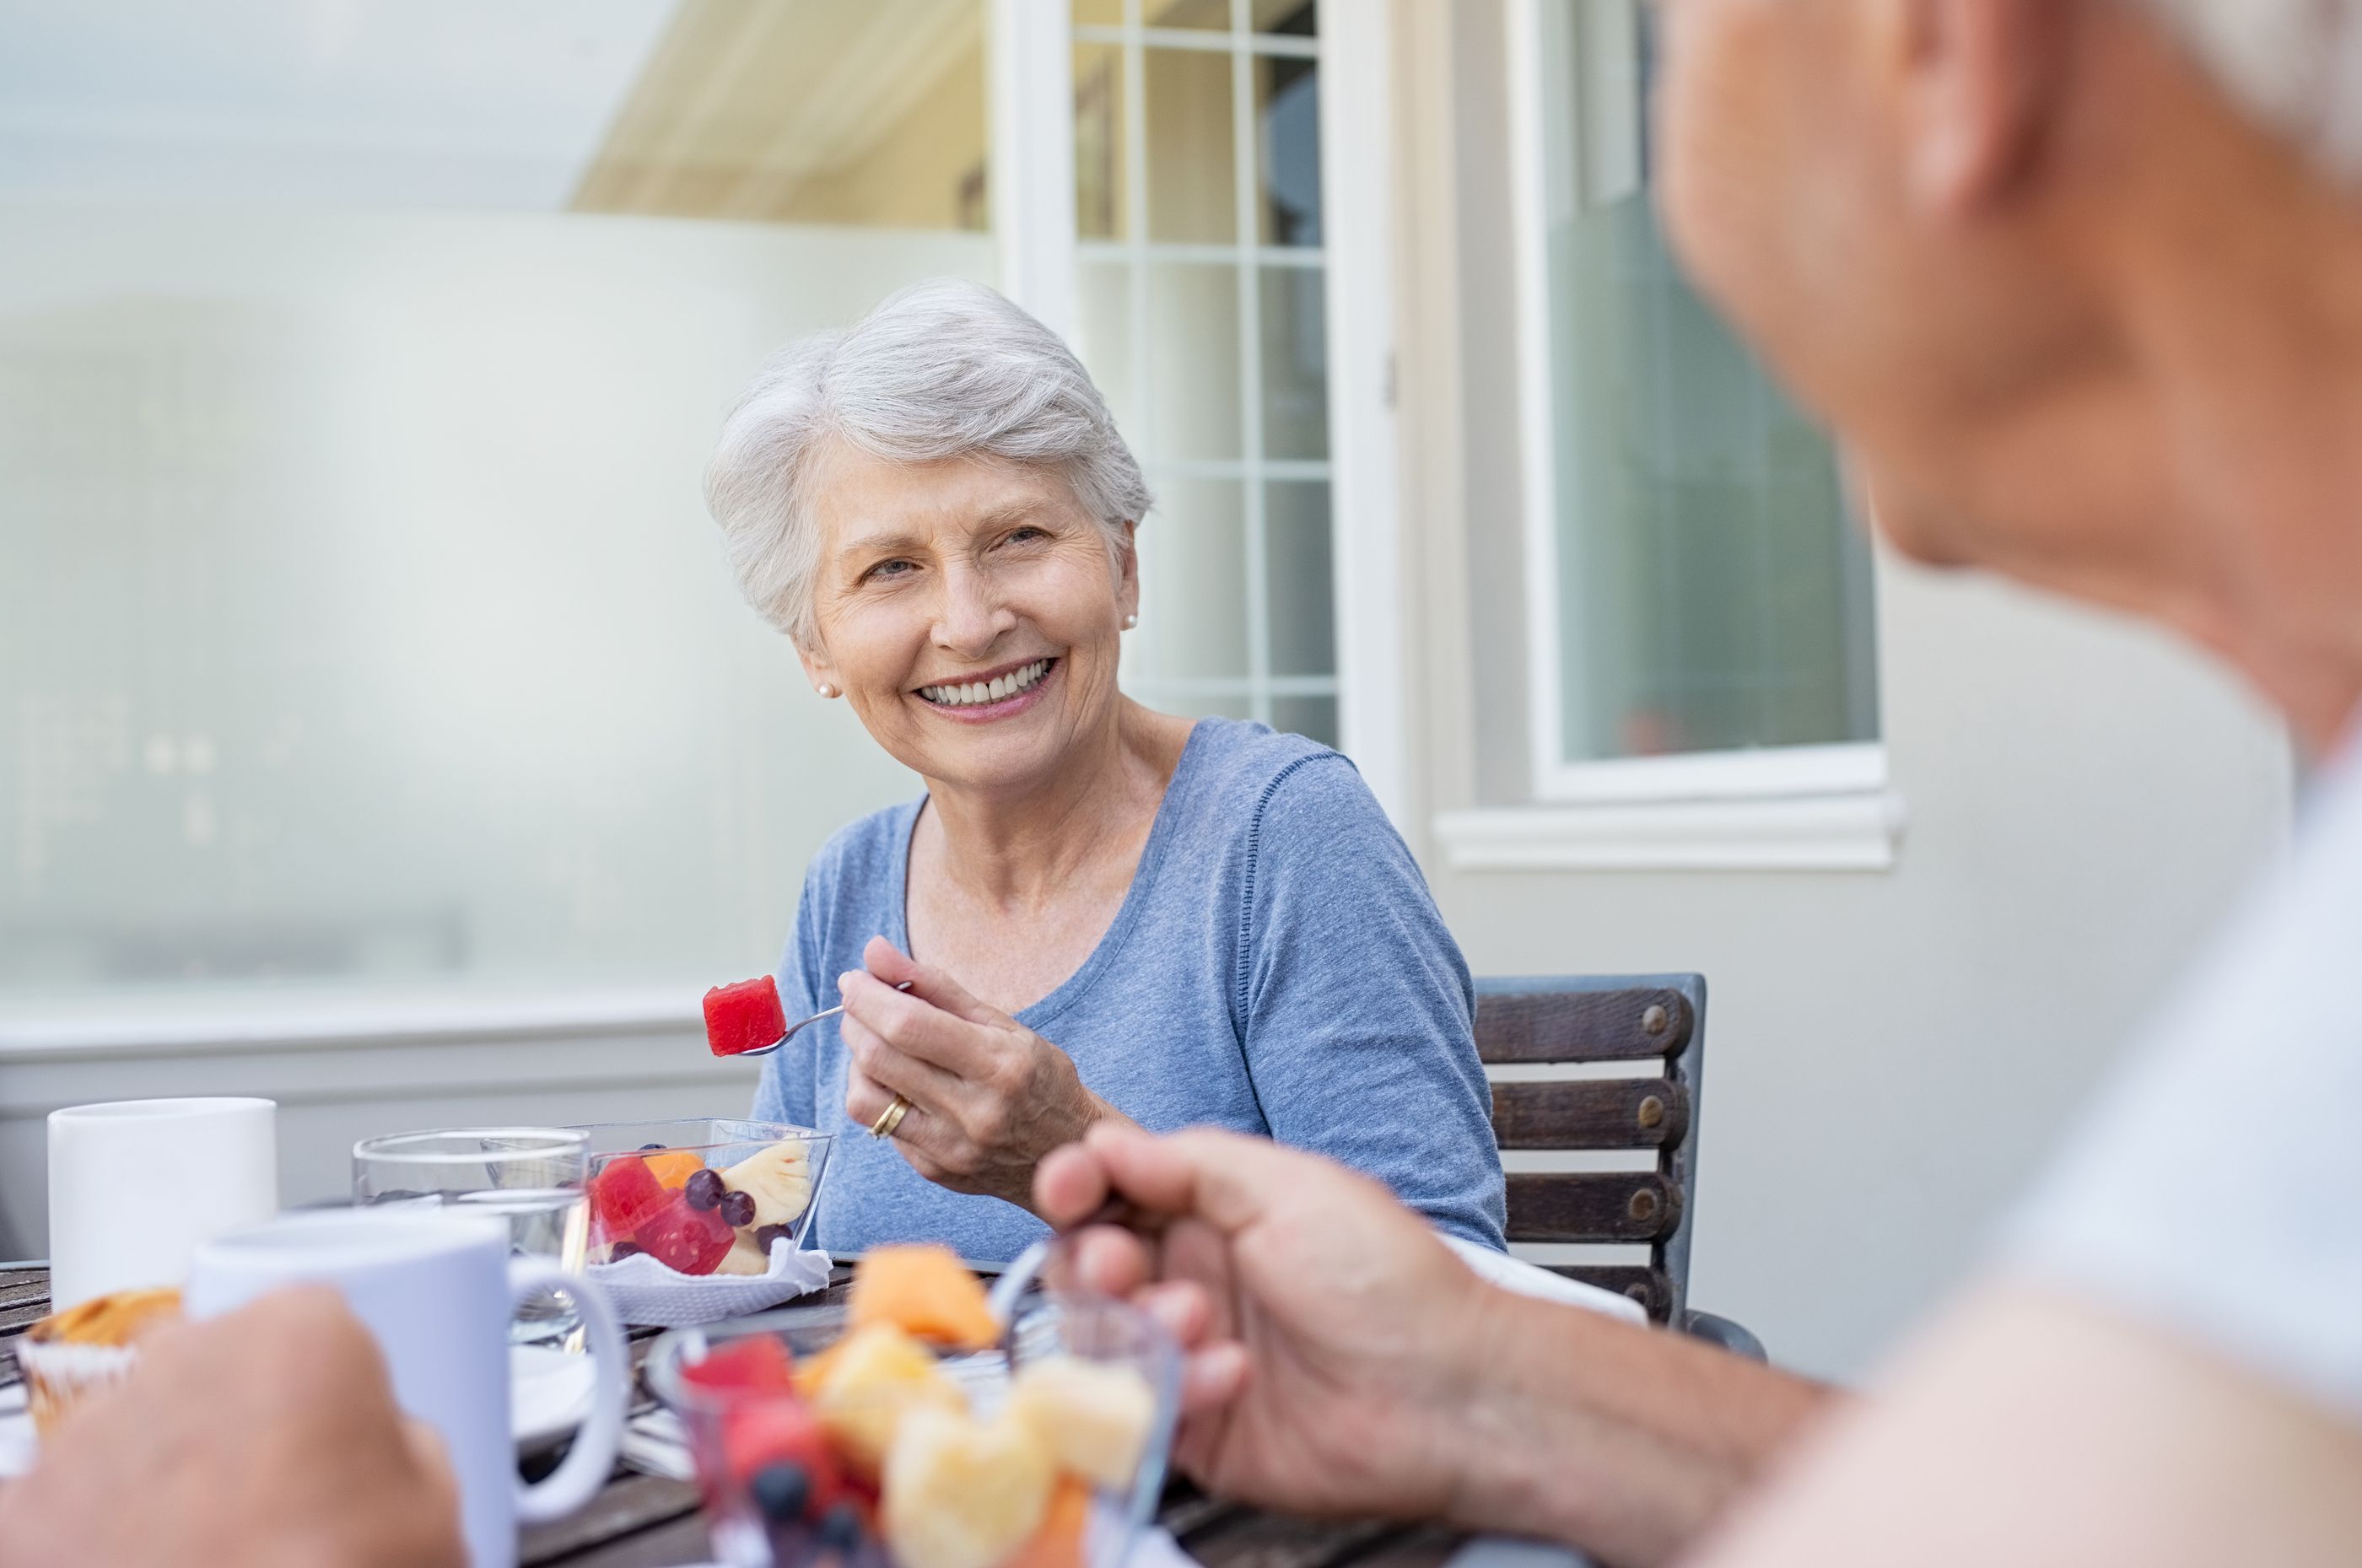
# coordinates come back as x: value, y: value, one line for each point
x: 891, y: 1118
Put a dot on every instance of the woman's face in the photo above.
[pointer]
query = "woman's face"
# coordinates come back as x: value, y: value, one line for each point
x: 969, y: 609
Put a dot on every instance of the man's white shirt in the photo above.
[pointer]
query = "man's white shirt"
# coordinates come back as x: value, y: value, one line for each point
x: 2218, y: 1189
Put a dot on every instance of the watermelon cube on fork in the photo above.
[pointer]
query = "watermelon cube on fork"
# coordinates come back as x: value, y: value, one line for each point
x: 743, y: 1017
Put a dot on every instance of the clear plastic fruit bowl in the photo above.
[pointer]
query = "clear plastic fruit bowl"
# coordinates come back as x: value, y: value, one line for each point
x: 750, y: 1527
x: 703, y: 1143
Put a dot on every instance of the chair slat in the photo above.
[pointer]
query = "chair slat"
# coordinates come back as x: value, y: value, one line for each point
x: 1605, y: 1205
x: 1582, y: 1026
x: 1608, y: 1113
x: 1649, y: 1287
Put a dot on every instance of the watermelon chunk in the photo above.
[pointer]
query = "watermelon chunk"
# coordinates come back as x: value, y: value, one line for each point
x: 754, y: 1364
x: 624, y: 1195
x: 686, y: 1240
x: 774, y: 1432
x: 744, y: 1017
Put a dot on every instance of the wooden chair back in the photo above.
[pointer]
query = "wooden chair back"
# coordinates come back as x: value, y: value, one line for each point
x: 1638, y: 1021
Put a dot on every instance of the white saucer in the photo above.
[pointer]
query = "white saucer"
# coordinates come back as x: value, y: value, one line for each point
x: 549, y: 1394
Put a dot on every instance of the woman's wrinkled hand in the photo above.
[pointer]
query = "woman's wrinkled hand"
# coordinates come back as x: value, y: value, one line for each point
x: 988, y: 1096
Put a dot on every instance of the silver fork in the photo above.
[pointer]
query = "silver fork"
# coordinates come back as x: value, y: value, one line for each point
x: 793, y: 1028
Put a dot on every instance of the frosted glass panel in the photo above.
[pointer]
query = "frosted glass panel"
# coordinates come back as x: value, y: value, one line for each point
x: 361, y: 617
x: 360, y: 623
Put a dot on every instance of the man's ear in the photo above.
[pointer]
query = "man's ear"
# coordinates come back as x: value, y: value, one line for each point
x: 1983, y: 82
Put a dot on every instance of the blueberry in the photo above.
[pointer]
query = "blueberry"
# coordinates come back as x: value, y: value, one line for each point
x: 704, y: 1189
x: 782, y: 1490
x: 738, y: 1209
x: 646, y: 1147
x: 623, y: 1250
x: 769, y: 1233
x: 840, y: 1529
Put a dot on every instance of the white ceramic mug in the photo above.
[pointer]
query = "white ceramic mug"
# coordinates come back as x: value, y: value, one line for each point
x: 437, y: 1289
x: 137, y: 1186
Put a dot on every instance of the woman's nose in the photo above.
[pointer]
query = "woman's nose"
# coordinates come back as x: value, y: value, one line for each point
x: 971, y: 617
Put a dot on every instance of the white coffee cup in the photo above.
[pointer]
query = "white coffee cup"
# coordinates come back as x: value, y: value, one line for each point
x: 138, y: 1186
x: 435, y: 1289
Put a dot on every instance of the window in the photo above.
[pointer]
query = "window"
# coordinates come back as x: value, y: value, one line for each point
x: 360, y: 623
x: 1702, y: 609
x: 1202, y: 313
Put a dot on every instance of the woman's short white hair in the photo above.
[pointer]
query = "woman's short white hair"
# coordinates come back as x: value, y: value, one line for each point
x: 945, y: 369
x: 2298, y: 64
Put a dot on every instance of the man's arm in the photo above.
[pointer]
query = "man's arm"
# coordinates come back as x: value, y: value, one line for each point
x: 1624, y: 1442
x: 2034, y: 1430
x: 1342, y: 1360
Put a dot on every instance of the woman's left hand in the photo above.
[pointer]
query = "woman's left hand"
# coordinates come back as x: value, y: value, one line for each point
x: 988, y: 1096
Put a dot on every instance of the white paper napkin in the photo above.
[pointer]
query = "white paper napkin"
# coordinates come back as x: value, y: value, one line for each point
x: 645, y: 1292
x: 1522, y: 1278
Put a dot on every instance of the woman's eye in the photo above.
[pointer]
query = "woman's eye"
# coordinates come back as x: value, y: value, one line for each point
x: 1026, y: 536
x: 887, y: 569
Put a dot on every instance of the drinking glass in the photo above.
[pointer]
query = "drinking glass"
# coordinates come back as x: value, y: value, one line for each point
x: 529, y: 1176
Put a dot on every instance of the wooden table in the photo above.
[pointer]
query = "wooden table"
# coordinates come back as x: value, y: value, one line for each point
x: 647, y: 1521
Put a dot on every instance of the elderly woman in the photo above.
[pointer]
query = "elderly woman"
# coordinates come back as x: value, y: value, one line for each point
x: 1096, y: 911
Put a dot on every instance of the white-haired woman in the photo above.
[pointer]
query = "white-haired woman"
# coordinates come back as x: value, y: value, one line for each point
x: 1100, y: 911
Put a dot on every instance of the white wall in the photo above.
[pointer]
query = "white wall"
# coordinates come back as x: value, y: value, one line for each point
x: 1889, y: 1054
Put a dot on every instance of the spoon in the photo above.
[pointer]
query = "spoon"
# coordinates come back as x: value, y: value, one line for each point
x: 794, y: 1029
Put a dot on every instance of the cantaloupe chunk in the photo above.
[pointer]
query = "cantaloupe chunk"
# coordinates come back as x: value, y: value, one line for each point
x: 673, y: 1168
x: 923, y: 1290
x: 1059, y: 1543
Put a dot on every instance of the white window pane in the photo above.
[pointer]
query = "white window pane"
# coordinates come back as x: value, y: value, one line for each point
x: 1712, y: 592
x: 1296, y: 549
x: 1193, y: 575
x: 1193, y: 322
x: 1294, y: 362
x: 1192, y: 170
x: 1287, y: 150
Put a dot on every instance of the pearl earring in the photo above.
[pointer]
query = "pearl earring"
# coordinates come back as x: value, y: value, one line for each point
x: 826, y: 689
x: 1129, y: 621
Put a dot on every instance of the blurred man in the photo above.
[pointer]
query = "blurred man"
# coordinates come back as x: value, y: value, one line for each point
x: 2079, y: 281
x: 264, y: 1439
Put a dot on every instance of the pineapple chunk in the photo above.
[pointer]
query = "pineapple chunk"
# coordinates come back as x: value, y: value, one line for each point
x: 779, y: 1178
x: 875, y: 1377
x: 1093, y: 1415
x: 964, y: 1494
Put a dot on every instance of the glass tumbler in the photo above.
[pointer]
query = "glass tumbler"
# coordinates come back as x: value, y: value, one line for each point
x: 530, y: 1177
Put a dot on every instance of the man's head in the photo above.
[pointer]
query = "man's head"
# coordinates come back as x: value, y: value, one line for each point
x: 1989, y: 240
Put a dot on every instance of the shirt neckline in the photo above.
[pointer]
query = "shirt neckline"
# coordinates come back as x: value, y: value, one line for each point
x: 1071, y: 989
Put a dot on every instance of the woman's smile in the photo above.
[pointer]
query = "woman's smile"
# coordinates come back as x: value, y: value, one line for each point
x: 991, y: 694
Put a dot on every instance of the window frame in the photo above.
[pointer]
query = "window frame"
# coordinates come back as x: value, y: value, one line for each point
x: 1746, y: 778
x: 1041, y: 252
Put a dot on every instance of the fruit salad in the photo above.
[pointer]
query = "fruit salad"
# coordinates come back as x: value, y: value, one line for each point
x: 892, y: 1434
x: 695, y: 1219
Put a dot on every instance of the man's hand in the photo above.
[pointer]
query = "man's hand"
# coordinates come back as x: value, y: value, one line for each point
x: 265, y: 1438
x: 1328, y: 1331
x: 1342, y: 1360
x: 988, y: 1096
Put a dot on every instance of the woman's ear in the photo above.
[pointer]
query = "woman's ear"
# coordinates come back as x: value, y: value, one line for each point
x: 1127, y: 579
x: 820, y: 671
